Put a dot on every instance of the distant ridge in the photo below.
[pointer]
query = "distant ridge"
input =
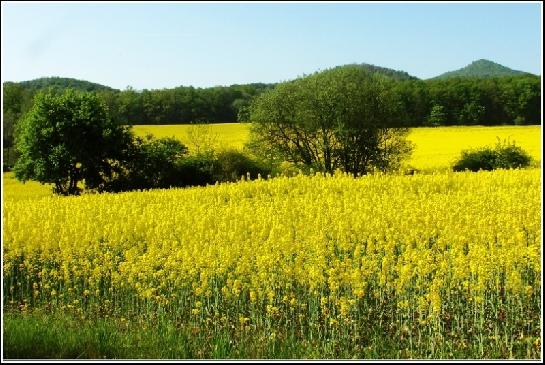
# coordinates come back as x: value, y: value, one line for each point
x: 62, y: 83
x: 395, y: 74
x: 477, y: 69
x: 482, y: 69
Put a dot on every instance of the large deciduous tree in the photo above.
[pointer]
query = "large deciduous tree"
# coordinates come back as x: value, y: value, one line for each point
x: 347, y: 118
x: 67, y: 138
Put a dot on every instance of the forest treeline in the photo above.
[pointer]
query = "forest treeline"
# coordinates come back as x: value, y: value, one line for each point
x: 434, y: 102
x: 455, y: 101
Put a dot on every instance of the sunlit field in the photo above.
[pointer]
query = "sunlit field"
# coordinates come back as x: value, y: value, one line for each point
x: 435, y: 148
x: 225, y: 134
x: 13, y: 190
x: 446, y: 264
x: 434, y: 265
x: 438, y: 148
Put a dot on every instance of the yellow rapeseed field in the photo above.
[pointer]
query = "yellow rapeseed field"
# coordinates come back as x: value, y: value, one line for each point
x: 325, y: 255
x: 14, y: 190
x: 438, y: 148
x: 227, y: 135
x: 435, y: 148
x: 427, y: 258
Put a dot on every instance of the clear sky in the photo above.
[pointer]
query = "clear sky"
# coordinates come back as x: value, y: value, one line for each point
x: 150, y: 45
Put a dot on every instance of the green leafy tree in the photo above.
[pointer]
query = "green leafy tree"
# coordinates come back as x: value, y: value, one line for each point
x: 67, y: 138
x: 472, y: 113
x: 17, y: 100
x: 347, y: 117
x: 437, y: 116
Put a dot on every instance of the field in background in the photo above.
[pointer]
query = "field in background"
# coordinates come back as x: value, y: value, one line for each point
x: 13, y: 190
x: 435, y: 148
x: 226, y: 134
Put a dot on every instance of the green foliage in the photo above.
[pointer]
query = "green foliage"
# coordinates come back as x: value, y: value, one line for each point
x: 16, y: 102
x: 62, y: 83
x: 482, y: 159
x: 339, y: 118
x: 156, y: 162
x: 437, y: 116
x: 231, y: 165
x: 472, y: 113
x: 164, y: 163
x: 487, y: 101
x: 67, y: 138
x: 184, y: 105
x: 149, y: 164
x: 198, y: 169
x: 390, y: 73
x: 505, y: 155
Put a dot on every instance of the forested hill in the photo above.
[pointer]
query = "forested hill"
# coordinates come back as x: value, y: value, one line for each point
x: 482, y: 69
x: 474, y: 99
x: 395, y: 74
x: 63, y: 83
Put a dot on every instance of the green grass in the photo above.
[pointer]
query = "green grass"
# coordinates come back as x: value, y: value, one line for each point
x: 40, y: 335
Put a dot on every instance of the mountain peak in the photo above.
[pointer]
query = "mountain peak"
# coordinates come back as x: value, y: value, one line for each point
x: 482, y: 68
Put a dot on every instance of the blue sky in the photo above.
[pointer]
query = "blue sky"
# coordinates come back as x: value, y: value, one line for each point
x: 166, y: 45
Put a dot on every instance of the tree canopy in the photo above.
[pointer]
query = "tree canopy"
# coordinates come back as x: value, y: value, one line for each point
x: 348, y: 118
x: 66, y: 138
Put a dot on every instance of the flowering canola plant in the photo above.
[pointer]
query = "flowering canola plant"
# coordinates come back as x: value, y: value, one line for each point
x: 325, y: 252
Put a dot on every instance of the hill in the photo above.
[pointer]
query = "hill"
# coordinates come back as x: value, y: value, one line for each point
x: 395, y: 74
x: 482, y: 69
x: 62, y: 83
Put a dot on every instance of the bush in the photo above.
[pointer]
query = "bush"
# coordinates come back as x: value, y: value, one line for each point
x: 149, y: 163
x: 231, y: 165
x: 505, y: 155
x: 197, y: 170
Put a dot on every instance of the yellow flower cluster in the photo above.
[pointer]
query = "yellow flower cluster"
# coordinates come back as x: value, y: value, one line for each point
x: 325, y: 248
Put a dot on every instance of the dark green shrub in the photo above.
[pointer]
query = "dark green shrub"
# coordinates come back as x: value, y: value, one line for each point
x: 208, y: 168
x: 482, y: 159
x: 163, y: 163
x: 509, y: 156
x: 231, y: 165
x: 197, y: 170
x: 149, y: 163
x: 505, y: 155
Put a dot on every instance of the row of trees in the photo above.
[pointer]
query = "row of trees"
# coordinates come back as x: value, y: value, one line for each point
x: 487, y: 101
x: 471, y: 101
x: 181, y: 105
x: 347, y: 118
x: 453, y: 101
